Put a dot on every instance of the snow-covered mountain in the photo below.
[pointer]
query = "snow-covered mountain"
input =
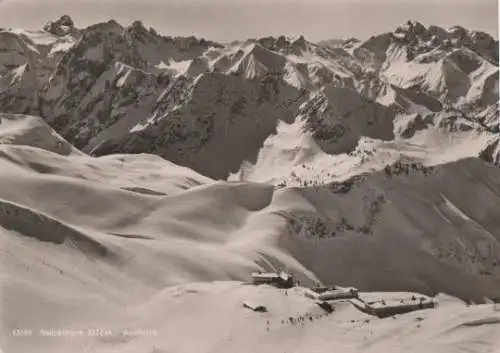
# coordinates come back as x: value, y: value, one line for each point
x: 109, y: 88
x: 136, y: 170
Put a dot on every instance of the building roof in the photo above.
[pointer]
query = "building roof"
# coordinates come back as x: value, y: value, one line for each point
x: 265, y: 275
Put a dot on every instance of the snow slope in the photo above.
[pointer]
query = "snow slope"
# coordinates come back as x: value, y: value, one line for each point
x: 294, y: 157
x: 164, y: 323
x: 120, y: 232
x: 33, y: 131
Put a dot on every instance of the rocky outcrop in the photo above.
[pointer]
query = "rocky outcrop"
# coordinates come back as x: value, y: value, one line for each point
x: 491, y: 153
x: 60, y: 27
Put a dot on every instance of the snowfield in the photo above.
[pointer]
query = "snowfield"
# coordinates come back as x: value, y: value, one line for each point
x: 115, y: 243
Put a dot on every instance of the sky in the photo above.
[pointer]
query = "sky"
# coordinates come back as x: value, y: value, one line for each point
x: 227, y: 20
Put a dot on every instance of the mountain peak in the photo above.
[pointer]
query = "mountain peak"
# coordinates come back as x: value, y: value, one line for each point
x: 138, y: 27
x: 110, y: 25
x: 282, y: 43
x: 138, y: 30
x: 412, y: 30
x: 61, y: 26
x: 416, y: 26
x: 456, y: 29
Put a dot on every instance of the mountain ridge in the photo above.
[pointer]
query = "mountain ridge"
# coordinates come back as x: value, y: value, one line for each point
x: 106, y: 69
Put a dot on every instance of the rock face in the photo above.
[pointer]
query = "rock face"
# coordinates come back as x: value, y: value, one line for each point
x: 210, y: 113
x: 338, y: 117
x: 491, y: 153
x: 109, y: 88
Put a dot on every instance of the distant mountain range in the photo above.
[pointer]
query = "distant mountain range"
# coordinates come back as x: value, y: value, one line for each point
x: 108, y: 89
